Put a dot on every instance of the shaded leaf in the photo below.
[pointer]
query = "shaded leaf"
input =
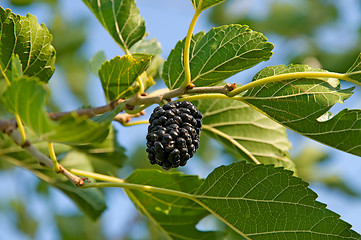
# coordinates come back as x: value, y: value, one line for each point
x: 204, y: 4
x: 28, y: 97
x: 121, y: 19
x: 246, y: 132
x: 118, y: 76
x: 90, y: 201
x: 217, y: 55
x: 263, y: 202
x: 148, y: 46
x: 30, y: 41
x: 176, y: 216
x: 107, y: 155
x: 301, y: 104
x: 96, y: 62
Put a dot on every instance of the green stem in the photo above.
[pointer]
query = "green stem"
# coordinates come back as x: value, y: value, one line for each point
x: 53, y: 157
x: 6, y: 77
x: 187, y: 69
x: 21, y: 129
x: 289, y: 76
x: 129, y: 124
x: 117, y: 182
x: 208, y: 96
x: 96, y: 176
x: 141, y: 85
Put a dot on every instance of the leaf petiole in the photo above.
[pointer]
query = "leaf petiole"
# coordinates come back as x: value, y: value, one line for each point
x: 187, y: 44
x: 117, y: 182
x: 289, y: 76
x: 53, y: 157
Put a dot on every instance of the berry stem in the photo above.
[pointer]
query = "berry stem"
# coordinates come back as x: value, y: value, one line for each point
x: 187, y: 44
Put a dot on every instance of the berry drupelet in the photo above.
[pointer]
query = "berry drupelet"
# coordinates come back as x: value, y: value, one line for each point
x: 173, y: 134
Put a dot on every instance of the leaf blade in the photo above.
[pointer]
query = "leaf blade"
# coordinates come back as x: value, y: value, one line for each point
x: 204, y: 4
x: 217, y: 55
x: 273, y: 203
x: 176, y: 216
x: 30, y: 41
x: 302, y: 105
x: 121, y: 19
x: 27, y: 97
x: 118, y: 76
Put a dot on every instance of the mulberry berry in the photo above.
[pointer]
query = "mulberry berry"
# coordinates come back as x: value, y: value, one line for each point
x: 173, y: 134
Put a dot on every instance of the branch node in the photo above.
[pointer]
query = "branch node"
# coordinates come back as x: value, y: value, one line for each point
x: 231, y: 87
x: 144, y: 94
x: 190, y: 86
x: 129, y: 107
x: 25, y: 144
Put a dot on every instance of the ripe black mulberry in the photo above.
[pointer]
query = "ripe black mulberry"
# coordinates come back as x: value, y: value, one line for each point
x: 173, y: 134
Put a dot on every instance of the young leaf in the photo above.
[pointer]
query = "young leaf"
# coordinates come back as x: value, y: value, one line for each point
x: 176, y: 216
x: 27, y: 98
x: 303, y: 104
x: 245, y: 131
x: 118, y: 76
x: 204, y: 4
x: 30, y: 41
x: 217, y: 55
x: 263, y: 202
x: 121, y: 19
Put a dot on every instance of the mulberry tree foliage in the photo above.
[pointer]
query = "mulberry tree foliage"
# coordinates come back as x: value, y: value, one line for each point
x: 262, y: 194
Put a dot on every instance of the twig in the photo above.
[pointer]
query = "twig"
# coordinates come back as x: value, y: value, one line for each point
x: 9, y: 127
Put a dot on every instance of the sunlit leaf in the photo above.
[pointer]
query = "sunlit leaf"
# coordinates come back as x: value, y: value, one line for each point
x: 299, y: 103
x: 118, y: 76
x: 204, y: 4
x: 27, y: 98
x: 30, y: 41
x: 121, y: 19
x: 217, y: 55
x: 263, y: 202
x: 176, y: 216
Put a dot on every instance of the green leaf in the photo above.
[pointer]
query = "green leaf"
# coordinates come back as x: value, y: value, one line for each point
x: 96, y: 62
x: 119, y: 75
x: 107, y: 152
x: 90, y: 201
x: 355, y: 70
x: 246, y: 132
x: 30, y: 41
x: 27, y: 98
x: 263, y: 202
x: 303, y: 104
x: 176, y: 216
x: 148, y: 46
x: 217, y: 55
x: 204, y: 4
x: 16, y: 68
x: 121, y: 19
